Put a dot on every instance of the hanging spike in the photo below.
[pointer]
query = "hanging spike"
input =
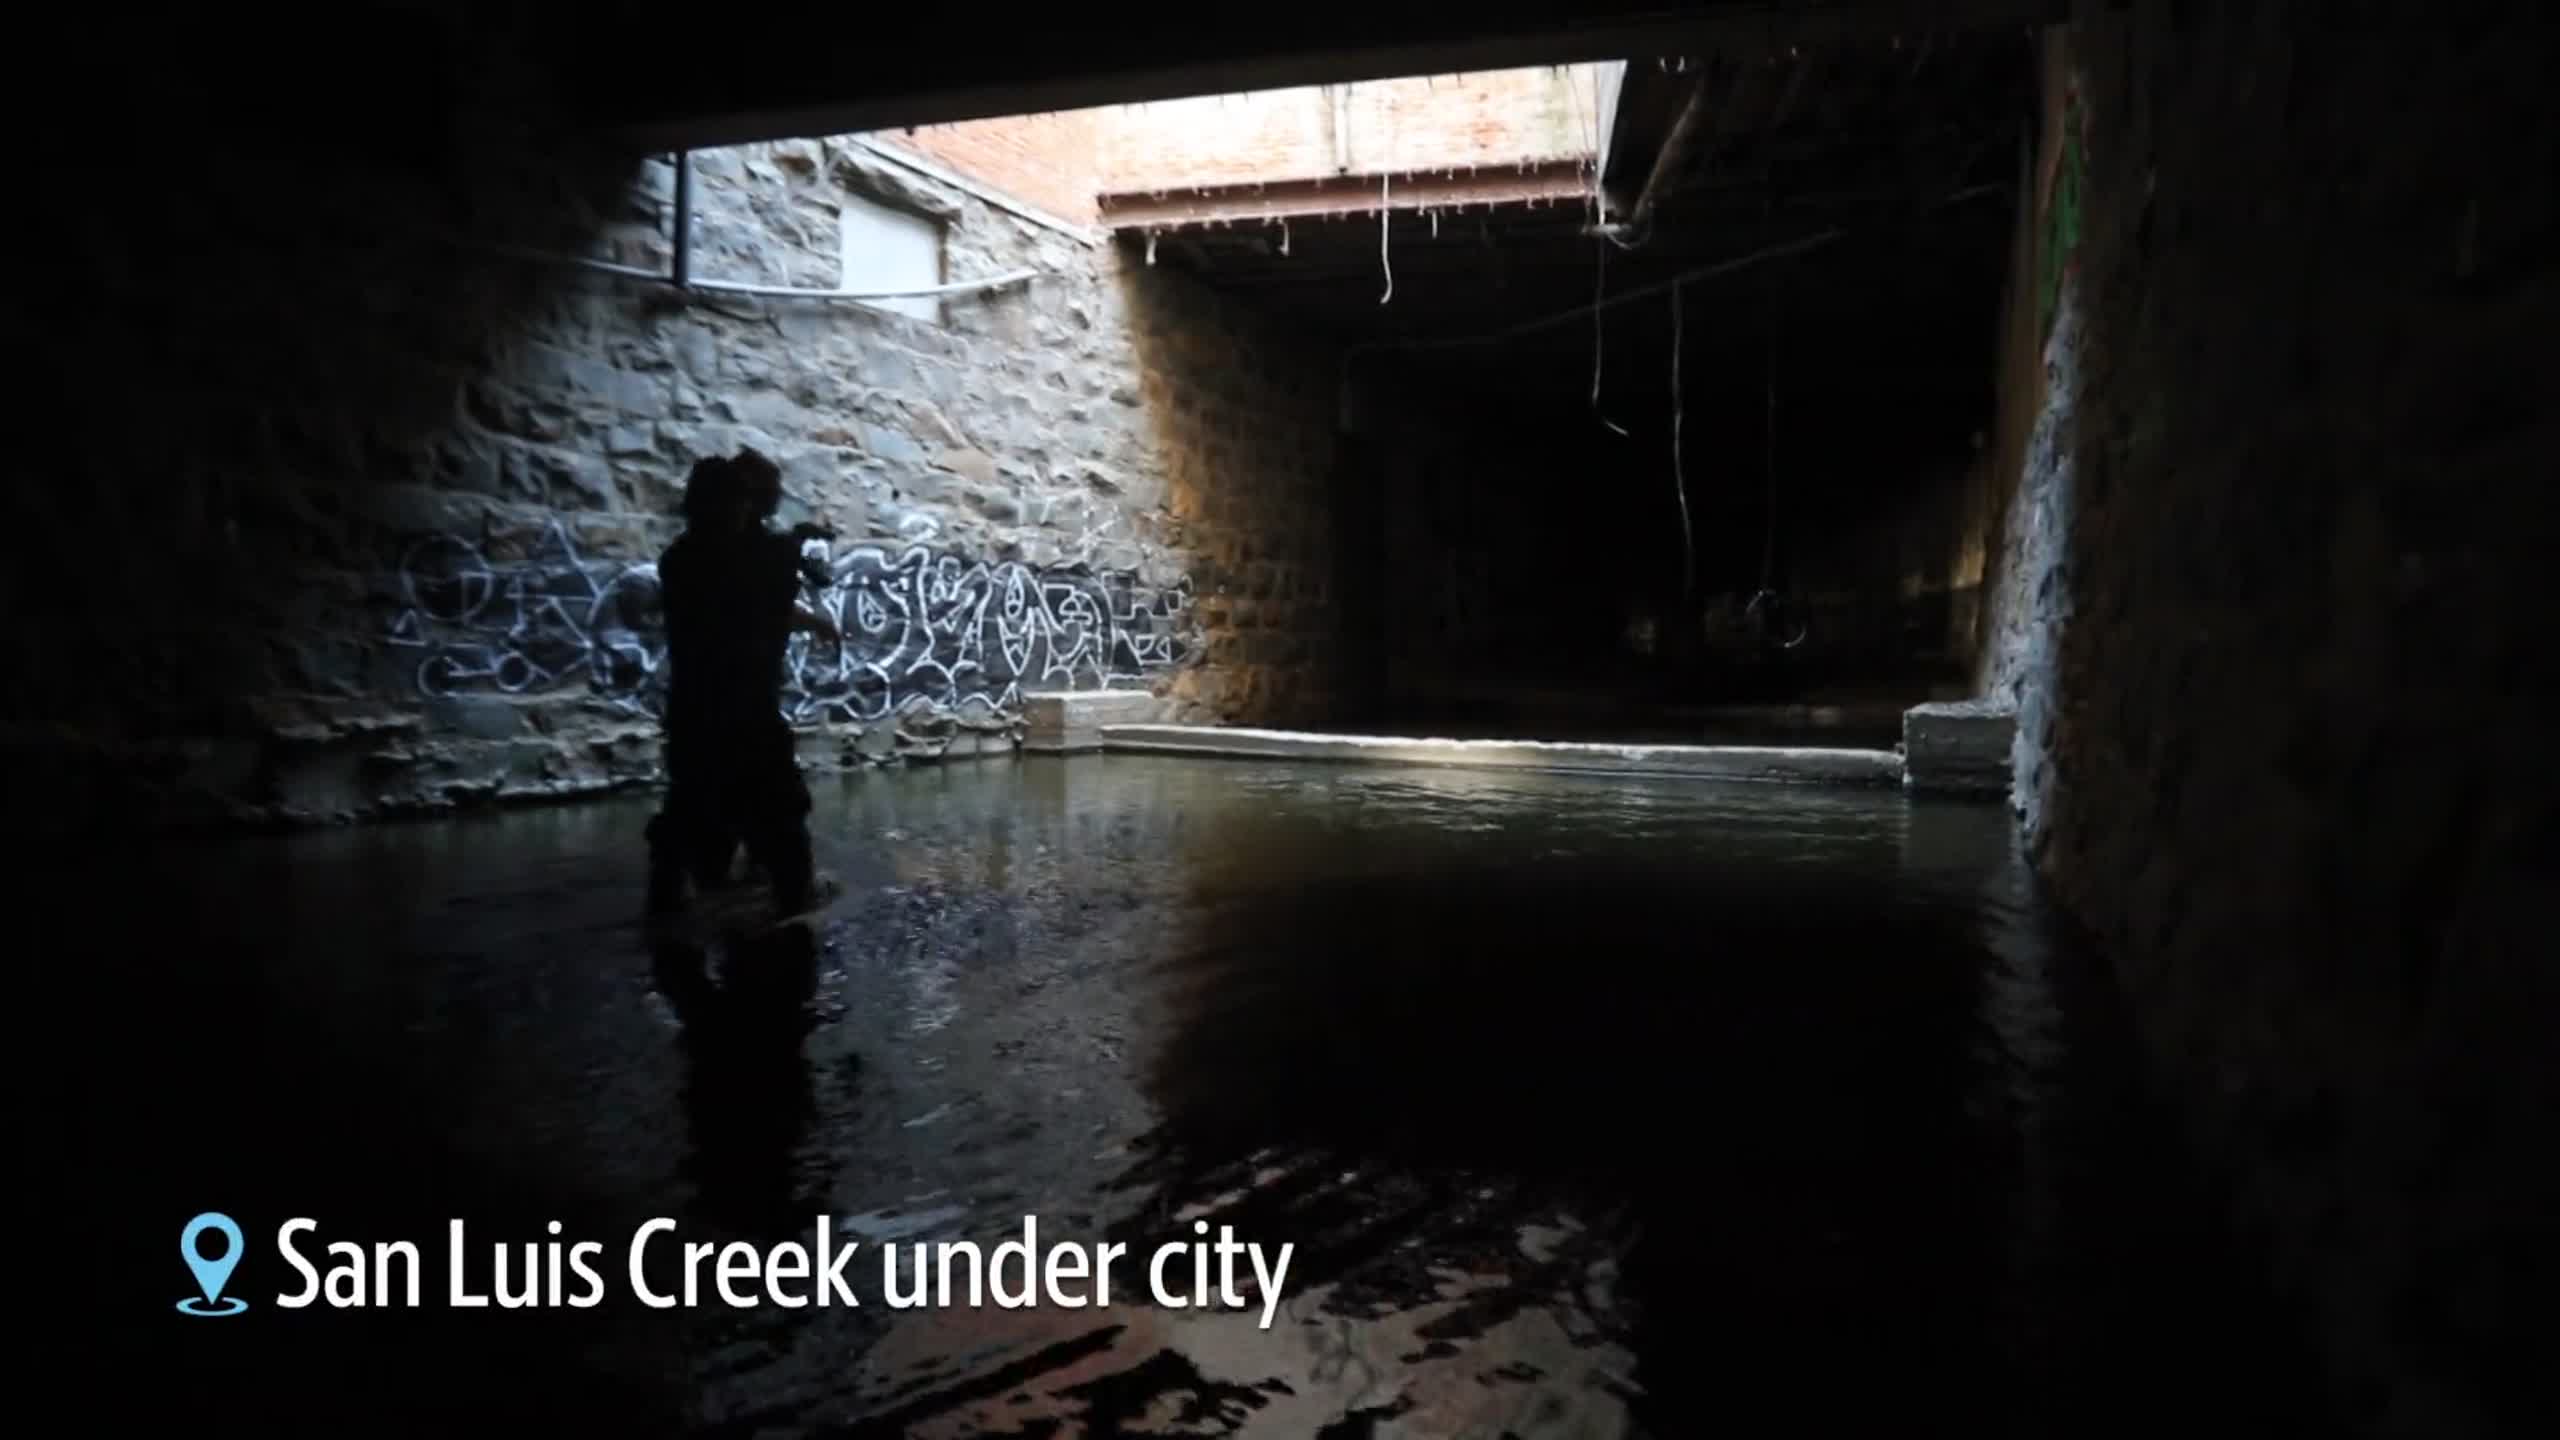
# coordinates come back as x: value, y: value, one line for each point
x: 1151, y: 247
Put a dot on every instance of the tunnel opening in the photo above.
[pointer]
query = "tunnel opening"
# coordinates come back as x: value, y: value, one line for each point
x: 1693, y: 450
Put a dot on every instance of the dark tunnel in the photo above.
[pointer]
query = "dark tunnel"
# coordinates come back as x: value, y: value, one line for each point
x: 1824, y: 711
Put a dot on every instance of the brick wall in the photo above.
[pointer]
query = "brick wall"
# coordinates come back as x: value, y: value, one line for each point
x: 1489, y: 118
x: 1050, y: 161
x: 1058, y: 162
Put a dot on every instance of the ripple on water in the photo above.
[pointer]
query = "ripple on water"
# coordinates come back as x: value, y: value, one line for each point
x: 1592, y: 1106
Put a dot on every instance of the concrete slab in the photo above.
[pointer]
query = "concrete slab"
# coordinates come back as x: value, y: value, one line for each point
x: 1065, y: 722
x: 1803, y: 765
x: 1958, y: 747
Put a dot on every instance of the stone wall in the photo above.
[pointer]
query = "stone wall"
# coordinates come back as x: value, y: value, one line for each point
x: 361, y: 512
x: 2017, y: 657
x: 2274, y: 598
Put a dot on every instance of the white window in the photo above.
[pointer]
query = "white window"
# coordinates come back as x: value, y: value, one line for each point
x: 886, y: 248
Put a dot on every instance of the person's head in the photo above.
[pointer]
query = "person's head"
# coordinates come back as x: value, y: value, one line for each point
x: 759, y: 483
x: 715, y: 497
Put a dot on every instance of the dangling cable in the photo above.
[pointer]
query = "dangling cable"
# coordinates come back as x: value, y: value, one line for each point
x: 1679, y: 483
x: 1384, y: 216
x: 1769, y: 455
x: 1768, y: 609
x: 1599, y: 340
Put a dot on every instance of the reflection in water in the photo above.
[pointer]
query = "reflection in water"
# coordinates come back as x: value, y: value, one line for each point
x: 749, y: 1097
x: 1592, y: 1107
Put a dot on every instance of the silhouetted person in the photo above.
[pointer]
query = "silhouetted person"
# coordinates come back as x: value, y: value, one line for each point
x: 730, y: 588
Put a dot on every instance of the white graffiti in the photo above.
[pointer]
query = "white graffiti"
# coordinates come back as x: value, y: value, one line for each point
x: 915, y: 626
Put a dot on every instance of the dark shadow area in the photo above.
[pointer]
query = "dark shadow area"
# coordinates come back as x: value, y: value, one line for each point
x: 268, y: 296
x: 2297, y: 464
x: 1793, y: 533
x: 1782, y: 1114
x: 1758, y: 477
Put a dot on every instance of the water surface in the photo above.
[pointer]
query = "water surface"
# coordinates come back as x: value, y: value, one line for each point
x: 1592, y: 1107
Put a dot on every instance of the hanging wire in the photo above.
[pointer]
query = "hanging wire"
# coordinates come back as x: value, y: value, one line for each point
x: 1679, y: 481
x: 1647, y: 291
x: 1600, y: 253
x: 1384, y: 217
x: 1769, y: 610
x: 1769, y: 453
x: 1599, y: 314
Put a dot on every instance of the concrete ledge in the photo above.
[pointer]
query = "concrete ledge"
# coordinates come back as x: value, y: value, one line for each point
x: 1702, y: 762
x: 1958, y: 747
x: 1064, y: 722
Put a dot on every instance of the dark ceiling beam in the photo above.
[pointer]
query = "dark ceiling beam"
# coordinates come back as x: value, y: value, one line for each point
x: 875, y: 69
x: 1641, y: 126
x: 1674, y: 154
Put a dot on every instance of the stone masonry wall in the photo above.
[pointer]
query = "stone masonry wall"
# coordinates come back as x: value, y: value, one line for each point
x: 2274, y: 591
x: 361, y: 513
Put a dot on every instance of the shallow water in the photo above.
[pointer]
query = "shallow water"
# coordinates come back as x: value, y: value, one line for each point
x: 1592, y: 1107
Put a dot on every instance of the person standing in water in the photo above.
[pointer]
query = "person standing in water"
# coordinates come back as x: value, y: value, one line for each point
x: 730, y: 589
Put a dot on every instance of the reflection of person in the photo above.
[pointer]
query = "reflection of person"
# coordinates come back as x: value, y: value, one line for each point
x: 730, y: 587
x: 749, y: 1092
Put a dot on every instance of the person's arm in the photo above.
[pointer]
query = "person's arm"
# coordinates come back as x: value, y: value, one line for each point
x: 813, y: 569
x: 806, y: 620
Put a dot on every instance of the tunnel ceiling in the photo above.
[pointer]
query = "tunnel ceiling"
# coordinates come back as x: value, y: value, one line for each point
x: 1875, y: 168
x: 875, y: 69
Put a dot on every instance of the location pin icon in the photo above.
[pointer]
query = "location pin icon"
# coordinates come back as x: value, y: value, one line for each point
x: 211, y: 1274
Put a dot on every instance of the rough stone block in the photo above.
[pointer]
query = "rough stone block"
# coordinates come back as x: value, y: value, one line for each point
x: 1958, y: 747
x: 1060, y: 722
x: 477, y: 717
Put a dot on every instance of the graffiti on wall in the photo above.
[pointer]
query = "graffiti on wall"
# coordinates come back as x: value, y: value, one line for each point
x: 915, y: 625
x: 2066, y: 174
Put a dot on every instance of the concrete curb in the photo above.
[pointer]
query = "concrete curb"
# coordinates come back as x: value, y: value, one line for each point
x: 1790, y: 764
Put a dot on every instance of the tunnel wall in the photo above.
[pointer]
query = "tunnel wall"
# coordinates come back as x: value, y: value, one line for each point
x: 2270, y: 608
x: 357, y: 516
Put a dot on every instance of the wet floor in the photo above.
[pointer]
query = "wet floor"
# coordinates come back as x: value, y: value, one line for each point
x: 1590, y: 1108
